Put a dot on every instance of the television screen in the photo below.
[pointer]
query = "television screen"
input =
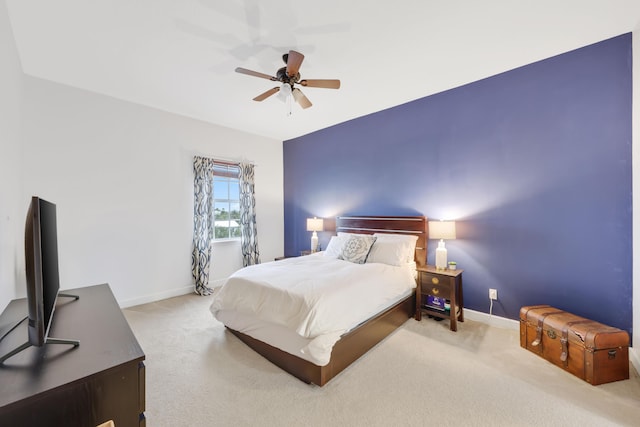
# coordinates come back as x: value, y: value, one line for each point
x: 43, y: 280
x: 49, y: 248
x: 41, y: 255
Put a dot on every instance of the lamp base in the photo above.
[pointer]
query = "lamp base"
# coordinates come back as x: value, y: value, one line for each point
x: 441, y: 256
x: 314, y: 242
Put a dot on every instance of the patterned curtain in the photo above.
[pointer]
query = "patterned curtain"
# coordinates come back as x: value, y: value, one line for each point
x: 248, y: 230
x: 202, y: 223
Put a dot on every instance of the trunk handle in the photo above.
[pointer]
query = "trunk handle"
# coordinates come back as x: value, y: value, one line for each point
x: 540, y: 328
x: 564, y: 357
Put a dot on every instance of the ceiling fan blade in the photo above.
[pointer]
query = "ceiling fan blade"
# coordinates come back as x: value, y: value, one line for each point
x: 301, y: 99
x: 267, y: 94
x: 255, y: 74
x: 327, y: 84
x: 293, y: 62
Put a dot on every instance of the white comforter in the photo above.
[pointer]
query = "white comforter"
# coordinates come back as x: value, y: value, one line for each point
x: 320, y: 298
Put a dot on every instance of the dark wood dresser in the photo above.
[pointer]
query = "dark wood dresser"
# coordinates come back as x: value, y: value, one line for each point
x: 103, y: 379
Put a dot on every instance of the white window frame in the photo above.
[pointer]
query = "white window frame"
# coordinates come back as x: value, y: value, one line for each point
x: 228, y: 173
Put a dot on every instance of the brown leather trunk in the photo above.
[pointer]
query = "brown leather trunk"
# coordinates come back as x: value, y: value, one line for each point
x: 591, y: 351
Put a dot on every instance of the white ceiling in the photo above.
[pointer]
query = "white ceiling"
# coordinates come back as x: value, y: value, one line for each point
x: 180, y: 55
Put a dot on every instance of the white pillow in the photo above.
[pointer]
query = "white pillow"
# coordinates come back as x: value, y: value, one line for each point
x: 407, y: 241
x: 334, y: 248
x: 410, y: 238
x: 356, y: 248
x: 391, y: 252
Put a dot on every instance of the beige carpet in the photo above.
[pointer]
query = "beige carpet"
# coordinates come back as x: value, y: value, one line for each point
x: 198, y: 374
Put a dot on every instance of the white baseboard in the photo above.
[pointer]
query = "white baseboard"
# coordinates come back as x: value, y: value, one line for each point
x: 497, y: 321
x: 503, y: 322
x: 634, y: 357
x: 145, y: 299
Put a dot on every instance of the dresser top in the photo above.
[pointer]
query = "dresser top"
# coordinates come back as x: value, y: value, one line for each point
x: 96, y: 320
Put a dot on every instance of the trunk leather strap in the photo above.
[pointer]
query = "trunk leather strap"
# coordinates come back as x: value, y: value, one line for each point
x: 540, y: 328
x: 564, y: 356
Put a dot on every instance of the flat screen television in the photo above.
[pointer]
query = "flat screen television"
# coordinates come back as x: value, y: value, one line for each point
x: 42, y: 275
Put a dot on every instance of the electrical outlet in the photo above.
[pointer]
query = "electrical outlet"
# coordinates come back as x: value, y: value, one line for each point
x: 493, y: 294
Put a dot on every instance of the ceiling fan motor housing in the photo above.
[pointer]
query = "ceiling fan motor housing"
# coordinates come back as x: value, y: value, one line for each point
x: 283, y: 77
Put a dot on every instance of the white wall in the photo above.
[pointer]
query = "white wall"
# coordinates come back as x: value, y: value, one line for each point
x: 11, y: 215
x: 635, y: 147
x: 121, y: 176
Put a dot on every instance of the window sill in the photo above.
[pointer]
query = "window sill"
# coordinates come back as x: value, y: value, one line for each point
x: 225, y: 241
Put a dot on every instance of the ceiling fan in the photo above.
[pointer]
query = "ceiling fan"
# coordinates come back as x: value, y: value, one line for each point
x: 290, y: 76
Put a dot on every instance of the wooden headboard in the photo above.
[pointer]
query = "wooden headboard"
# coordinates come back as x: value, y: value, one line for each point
x: 410, y: 225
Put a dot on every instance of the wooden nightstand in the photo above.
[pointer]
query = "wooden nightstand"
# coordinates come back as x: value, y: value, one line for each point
x: 445, y: 284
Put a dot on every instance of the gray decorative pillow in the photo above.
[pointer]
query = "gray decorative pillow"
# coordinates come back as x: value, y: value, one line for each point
x: 356, y: 248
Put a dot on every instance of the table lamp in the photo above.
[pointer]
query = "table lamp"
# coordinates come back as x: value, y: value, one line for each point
x: 442, y: 230
x: 314, y: 224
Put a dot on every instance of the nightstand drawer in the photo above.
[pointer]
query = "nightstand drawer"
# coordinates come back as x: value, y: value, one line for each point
x: 435, y: 285
x: 436, y: 290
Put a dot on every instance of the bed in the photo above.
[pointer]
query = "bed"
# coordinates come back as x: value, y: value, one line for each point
x: 313, y: 347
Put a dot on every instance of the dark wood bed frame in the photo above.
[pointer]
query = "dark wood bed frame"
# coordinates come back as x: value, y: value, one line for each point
x: 361, y: 339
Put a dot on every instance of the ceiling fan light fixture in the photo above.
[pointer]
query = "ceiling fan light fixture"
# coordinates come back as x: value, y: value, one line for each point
x: 285, y: 92
x: 286, y: 95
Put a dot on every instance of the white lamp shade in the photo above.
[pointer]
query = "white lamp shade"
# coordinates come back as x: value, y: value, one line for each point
x: 315, y: 224
x: 442, y: 230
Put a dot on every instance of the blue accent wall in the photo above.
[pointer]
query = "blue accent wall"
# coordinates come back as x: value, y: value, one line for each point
x: 533, y: 163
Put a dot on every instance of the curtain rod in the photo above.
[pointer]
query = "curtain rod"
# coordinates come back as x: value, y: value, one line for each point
x: 227, y: 160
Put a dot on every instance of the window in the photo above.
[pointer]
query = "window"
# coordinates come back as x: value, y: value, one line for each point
x: 226, y: 201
